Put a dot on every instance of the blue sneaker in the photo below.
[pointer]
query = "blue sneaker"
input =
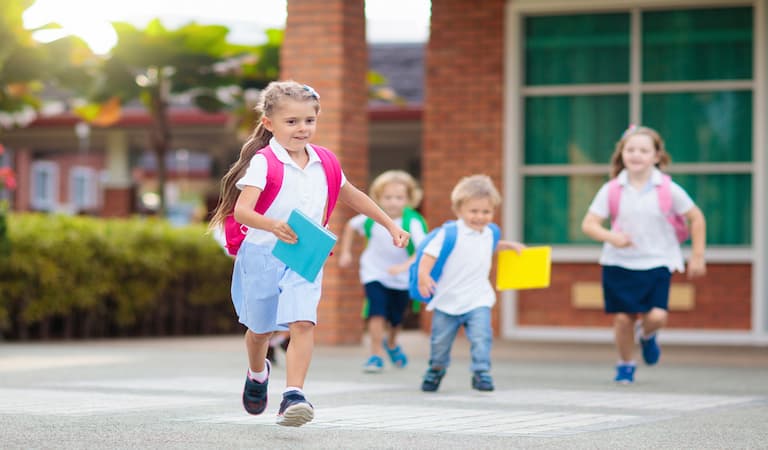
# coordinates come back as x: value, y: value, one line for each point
x: 374, y: 364
x: 651, y: 350
x: 255, y: 394
x: 295, y: 410
x: 396, y: 355
x: 432, y: 380
x: 482, y: 381
x: 625, y: 373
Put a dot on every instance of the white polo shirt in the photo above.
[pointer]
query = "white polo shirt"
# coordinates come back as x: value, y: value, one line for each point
x: 464, y: 284
x: 303, y: 189
x: 653, y: 238
x: 380, y: 254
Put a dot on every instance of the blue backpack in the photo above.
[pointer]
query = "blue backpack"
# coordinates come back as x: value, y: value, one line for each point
x: 448, y: 243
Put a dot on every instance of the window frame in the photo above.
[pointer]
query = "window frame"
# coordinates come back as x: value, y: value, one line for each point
x: 48, y: 200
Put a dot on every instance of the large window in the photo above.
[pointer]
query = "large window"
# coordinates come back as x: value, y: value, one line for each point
x: 83, y: 188
x: 45, y: 181
x: 687, y: 73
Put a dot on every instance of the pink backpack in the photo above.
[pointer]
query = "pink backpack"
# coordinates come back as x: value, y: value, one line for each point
x: 235, y: 232
x: 664, y: 192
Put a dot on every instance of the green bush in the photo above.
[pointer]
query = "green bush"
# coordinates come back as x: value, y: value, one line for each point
x: 88, y: 277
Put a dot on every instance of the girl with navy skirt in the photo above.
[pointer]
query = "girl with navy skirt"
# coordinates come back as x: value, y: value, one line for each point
x: 641, y: 248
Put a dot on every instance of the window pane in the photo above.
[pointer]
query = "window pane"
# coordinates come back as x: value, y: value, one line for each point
x: 726, y: 201
x: 555, y: 207
x: 577, y: 49
x: 703, y: 127
x: 700, y: 44
x: 574, y: 129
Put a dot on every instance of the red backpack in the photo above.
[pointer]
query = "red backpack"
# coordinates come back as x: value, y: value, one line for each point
x: 664, y: 192
x: 235, y: 232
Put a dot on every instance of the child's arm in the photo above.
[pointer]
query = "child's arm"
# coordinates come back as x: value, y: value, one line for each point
x: 426, y: 283
x: 592, y: 226
x: 510, y: 245
x: 363, y: 204
x: 696, y: 264
x: 402, y: 267
x: 245, y: 214
x: 345, y: 245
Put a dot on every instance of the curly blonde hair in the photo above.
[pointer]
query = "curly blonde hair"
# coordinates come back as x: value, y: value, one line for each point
x: 473, y: 187
x: 269, y: 102
x: 398, y: 177
x: 617, y: 163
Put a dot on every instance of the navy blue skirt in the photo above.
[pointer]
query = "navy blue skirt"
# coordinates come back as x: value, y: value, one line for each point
x: 635, y: 291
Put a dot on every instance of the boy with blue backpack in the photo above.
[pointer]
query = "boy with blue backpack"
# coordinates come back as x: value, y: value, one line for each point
x: 451, y: 273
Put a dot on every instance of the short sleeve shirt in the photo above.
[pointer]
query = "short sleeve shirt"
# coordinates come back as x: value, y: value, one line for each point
x: 303, y: 189
x: 464, y: 284
x: 653, y: 238
x: 380, y: 253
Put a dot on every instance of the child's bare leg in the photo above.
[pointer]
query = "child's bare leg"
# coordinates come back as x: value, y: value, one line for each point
x: 256, y: 345
x: 624, y: 335
x: 392, y: 340
x: 376, y: 325
x: 299, y: 353
x: 653, y: 320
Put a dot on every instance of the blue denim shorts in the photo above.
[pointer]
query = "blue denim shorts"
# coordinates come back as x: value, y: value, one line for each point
x: 267, y: 295
x: 635, y: 291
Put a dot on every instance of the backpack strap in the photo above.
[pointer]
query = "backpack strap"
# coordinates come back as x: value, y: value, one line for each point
x: 408, y: 215
x: 614, y: 199
x: 332, y: 169
x: 449, y: 241
x: 367, y: 227
x: 664, y: 191
x: 496, y: 235
x: 275, y: 172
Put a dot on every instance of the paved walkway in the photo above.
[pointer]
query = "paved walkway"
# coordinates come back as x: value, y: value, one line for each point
x: 184, y: 393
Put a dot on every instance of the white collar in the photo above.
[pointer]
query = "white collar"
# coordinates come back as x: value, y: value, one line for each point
x: 623, y: 177
x: 466, y: 229
x: 282, y: 154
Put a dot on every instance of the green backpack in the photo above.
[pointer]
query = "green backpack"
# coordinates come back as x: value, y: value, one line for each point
x: 408, y: 215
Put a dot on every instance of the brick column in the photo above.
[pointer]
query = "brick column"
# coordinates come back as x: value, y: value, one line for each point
x: 463, y: 102
x: 325, y: 46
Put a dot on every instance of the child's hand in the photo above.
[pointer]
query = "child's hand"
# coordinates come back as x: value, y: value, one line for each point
x: 345, y: 260
x: 619, y: 239
x: 400, y: 237
x: 284, y: 232
x: 426, y: 286
x: 696, y: 266
x: 510, y: 245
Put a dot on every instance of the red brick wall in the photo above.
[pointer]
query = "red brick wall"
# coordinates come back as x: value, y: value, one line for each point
x: 463, y: 101
x: 722, y: 299
x: 325, y: 46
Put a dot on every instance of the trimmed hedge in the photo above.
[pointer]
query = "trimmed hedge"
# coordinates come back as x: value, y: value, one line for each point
x: 85, y: 277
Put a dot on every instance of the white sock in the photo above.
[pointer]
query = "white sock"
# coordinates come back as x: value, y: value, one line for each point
x: 627, y: 363
x: 292, y: 388
x: 646, y: 337
x: 258, y: 377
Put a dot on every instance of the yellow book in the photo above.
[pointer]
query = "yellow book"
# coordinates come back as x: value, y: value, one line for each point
x: 529, y: 269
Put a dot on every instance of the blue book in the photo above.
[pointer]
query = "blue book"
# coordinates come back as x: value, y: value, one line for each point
x: 308, y: 255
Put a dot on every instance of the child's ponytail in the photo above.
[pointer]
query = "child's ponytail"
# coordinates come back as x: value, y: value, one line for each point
x: 229, y: 192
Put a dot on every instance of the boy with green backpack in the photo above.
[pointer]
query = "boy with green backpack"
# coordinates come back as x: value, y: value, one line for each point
x: 383, y: 267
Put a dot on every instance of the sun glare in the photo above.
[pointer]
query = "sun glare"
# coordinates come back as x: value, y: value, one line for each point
x: 74, y: 20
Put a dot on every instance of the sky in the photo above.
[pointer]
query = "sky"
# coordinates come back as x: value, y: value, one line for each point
x: 388, y: 20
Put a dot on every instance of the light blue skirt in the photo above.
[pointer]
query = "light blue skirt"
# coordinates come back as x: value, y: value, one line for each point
x: 267, y: 295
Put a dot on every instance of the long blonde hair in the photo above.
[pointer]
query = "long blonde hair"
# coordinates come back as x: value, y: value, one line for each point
x: 268, y: 103
x: 617, y: 163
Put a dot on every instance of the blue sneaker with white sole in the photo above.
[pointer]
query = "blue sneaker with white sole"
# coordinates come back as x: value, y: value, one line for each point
x: 396, y: 355
x: 625, y: 373
x: 374, y: 364
x: 651, y: 350
x: 295, y: 410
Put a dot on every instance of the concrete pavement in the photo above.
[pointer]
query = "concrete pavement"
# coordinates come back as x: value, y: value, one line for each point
x: 185, y: 393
